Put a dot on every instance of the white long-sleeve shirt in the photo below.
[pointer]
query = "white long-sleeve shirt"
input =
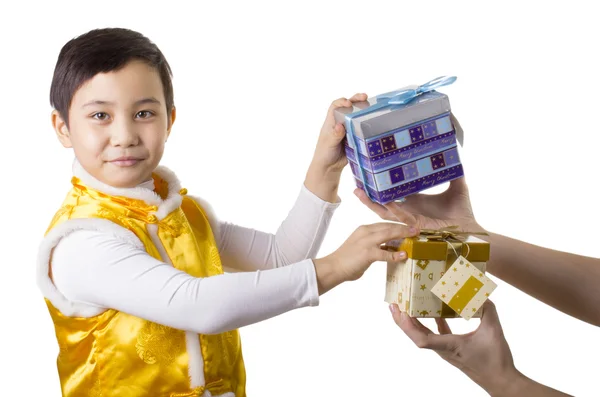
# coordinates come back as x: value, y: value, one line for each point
x: 272, y: 274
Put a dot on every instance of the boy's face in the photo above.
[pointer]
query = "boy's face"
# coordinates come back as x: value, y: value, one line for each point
x: 118, y: 125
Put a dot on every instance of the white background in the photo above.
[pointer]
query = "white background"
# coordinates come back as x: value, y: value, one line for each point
x: 253, y: 81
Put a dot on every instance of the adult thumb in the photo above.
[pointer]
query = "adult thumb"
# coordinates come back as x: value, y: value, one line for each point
x: 490, y: 317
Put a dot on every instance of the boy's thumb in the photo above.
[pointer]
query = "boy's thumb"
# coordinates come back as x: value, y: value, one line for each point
x: 386, y: 255
x: 338, y: 132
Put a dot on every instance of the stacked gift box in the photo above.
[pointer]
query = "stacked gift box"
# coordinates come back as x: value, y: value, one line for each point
x: 404, y: 142
x: 401, y: 147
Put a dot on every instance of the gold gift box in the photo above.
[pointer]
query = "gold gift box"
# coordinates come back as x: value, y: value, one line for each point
x: 430, y: 255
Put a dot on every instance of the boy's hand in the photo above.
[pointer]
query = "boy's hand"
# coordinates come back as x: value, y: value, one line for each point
x: 358, y: 252
x: 329, y: 158
x: 329, y: 153
x: 483, y: 355
x: 427, y: 211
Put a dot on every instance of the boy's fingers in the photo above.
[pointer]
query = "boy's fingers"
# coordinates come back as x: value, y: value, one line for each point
x: 393, y: 232
x: 359, y: 97
x: 368, y: 230
x: 390, y: 256
x: 381, y: 226
x: 338, y: 103
x: 330, y: 119
x: 345, y: 102
x: 339, y: 131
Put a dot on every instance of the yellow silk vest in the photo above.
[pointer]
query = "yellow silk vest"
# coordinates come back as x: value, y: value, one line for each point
x: 109, y: 353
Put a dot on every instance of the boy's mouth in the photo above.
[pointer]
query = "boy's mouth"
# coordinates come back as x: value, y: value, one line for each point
x: 126, y: 161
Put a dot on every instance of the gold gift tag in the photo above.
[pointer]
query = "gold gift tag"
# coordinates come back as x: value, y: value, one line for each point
x: 464, y: 288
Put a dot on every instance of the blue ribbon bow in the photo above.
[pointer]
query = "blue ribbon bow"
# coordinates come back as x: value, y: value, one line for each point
x: 389, y: 99
x: 404, y: 96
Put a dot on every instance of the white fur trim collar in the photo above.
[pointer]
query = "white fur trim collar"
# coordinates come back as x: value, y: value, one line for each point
x: 165, y: 207
x: 45, y: 284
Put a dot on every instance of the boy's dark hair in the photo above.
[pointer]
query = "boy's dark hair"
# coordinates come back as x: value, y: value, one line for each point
x: 102, y: 51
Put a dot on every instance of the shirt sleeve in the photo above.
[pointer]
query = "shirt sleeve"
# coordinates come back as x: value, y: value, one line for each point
x: 299, y: 237
x: 99, y: 269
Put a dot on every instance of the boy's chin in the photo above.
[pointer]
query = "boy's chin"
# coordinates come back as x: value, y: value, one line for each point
x: 124, y: 182
x: 125, y: 177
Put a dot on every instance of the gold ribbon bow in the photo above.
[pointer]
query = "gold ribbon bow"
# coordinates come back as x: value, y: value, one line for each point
x: 448, y: 232
x: 451, y: 235
x: 442, y: 234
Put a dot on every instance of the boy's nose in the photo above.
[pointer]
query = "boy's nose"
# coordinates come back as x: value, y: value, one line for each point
x: 124, y: 135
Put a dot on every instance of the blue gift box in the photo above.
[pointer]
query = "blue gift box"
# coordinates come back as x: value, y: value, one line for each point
x: 402, y: 142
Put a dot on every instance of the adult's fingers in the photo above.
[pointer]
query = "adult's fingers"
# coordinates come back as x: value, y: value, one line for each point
x: 400, y: 213
x: 489, y: 317
x: 373, y: 206
x: 443, y: 327
x: 459, y: 184
x: 422, y: 336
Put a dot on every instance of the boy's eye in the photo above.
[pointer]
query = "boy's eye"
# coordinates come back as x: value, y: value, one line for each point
x: 144, y: 114
x: 100, y: 116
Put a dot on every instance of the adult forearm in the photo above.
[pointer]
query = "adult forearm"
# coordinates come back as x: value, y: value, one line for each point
x: 520, y: 385
x: 568, y: 282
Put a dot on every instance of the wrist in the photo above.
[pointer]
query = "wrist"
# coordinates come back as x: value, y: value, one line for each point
x: 506, y: 385
x: 323, y: 181
x: 328, y: 275
x: 326, y: 171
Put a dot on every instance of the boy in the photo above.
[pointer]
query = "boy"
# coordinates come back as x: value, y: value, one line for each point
x: 132, y: 268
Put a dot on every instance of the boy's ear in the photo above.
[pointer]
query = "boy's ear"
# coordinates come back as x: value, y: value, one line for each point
x: 172, y: 118
x: 60, y: 127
